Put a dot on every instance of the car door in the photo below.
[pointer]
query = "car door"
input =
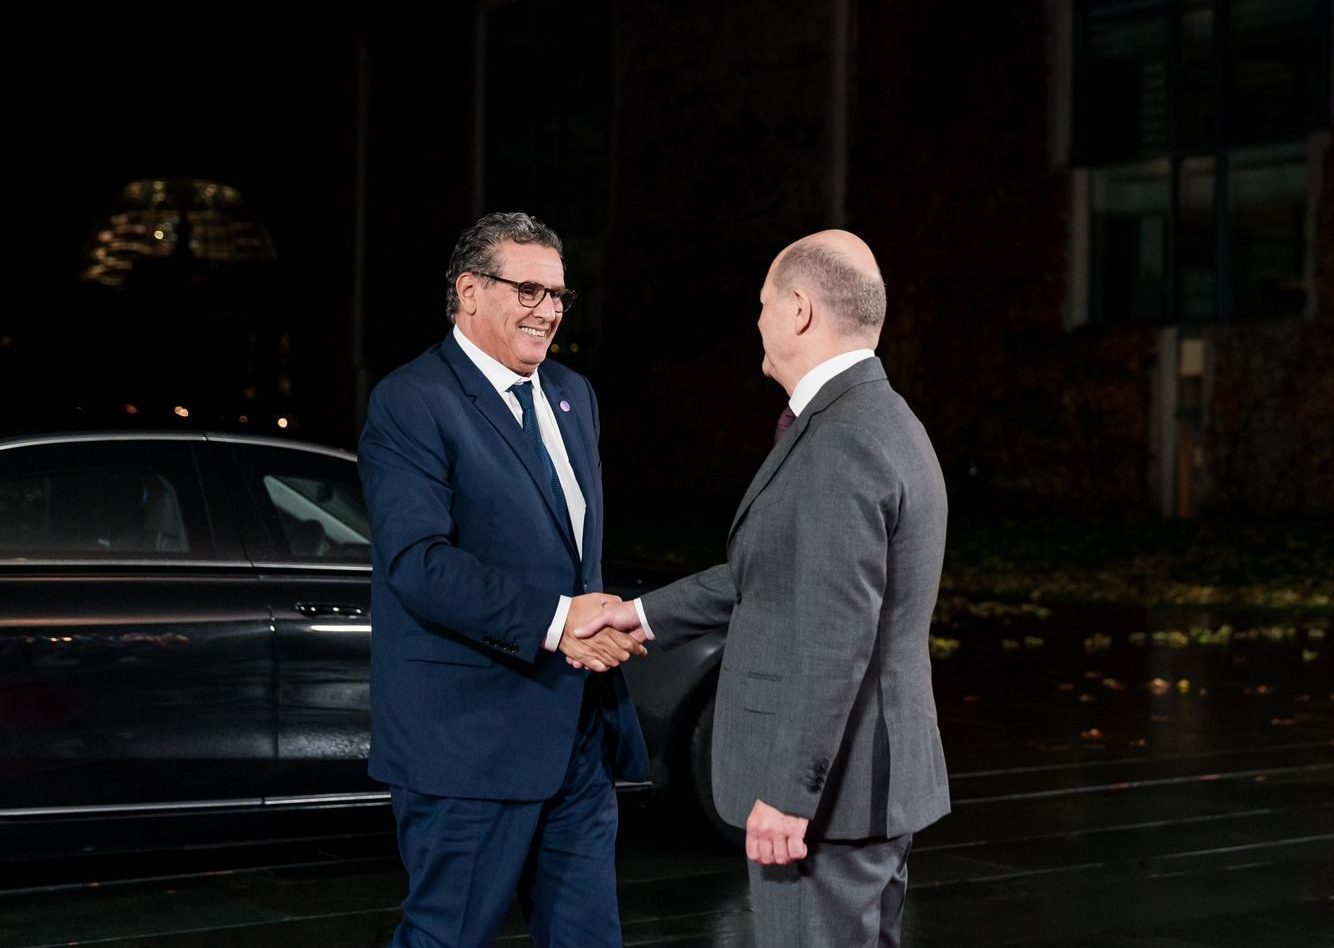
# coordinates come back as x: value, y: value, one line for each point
x: 309, y: 538
x: 135, y: 646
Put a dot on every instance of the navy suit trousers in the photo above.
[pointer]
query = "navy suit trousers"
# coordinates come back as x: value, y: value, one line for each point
x: 466, y: 859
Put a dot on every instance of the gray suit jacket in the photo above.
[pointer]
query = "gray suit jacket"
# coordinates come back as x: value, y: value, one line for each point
x: 824, y: 705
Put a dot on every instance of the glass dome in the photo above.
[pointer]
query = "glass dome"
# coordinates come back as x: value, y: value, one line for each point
x: 168, y: 223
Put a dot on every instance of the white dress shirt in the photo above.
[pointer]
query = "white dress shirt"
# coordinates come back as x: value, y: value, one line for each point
x: 815, y: 379
x: 502, y: 378
x: 802, y: 395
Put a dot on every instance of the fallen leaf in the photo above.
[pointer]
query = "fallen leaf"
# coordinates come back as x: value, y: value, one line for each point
x: 941, y: 647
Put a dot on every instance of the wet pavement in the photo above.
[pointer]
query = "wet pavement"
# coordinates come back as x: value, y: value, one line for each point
x: 1121, y: 778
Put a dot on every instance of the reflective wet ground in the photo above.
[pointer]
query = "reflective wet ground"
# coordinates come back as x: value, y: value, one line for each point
x: 1121, y: 778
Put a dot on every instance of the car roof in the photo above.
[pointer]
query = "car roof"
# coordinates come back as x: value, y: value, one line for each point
x: 23, y: 441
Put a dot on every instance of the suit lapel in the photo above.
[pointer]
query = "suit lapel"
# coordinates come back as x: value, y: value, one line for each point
x: 868, y: 370
x: 770, y: 467
x: 494, y: 409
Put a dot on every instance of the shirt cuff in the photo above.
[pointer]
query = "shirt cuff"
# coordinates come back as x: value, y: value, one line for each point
x: 557, y: 627
x: 643, y: 619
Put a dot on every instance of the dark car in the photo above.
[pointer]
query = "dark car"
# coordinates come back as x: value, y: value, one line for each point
x: 185, y: 629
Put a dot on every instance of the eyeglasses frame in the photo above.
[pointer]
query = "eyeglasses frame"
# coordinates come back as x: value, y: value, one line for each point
x: 562, y: 300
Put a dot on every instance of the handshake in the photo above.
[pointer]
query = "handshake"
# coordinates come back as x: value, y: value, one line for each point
x: 601, y: 631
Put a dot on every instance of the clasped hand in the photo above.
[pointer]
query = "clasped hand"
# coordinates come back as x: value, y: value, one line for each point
x: 598, y: 635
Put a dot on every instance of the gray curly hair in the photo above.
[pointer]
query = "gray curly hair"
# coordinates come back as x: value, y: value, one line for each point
x: 476, y: 250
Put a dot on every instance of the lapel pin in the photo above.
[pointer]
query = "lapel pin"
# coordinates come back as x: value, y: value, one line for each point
x: 564, y: 405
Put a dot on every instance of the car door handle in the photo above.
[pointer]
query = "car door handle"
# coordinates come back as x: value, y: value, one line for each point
x: 343, y: 609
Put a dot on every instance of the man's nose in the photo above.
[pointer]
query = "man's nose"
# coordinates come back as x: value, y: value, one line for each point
x: 546, y: 308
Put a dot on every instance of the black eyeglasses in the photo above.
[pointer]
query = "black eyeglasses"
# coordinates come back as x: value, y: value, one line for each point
x: 531, y: 294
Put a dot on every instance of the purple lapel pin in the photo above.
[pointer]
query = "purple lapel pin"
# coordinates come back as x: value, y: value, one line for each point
x: 564, y: 405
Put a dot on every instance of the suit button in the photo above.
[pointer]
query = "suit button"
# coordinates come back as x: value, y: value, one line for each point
x: 738, y: 597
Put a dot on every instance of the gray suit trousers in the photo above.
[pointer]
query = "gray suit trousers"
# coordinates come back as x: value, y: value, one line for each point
x: 844, y: 894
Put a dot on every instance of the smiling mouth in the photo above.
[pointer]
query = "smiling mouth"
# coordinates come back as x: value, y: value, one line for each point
x: 537, y: 331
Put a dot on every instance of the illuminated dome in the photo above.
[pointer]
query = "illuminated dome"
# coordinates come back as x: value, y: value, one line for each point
x: 169, y: 223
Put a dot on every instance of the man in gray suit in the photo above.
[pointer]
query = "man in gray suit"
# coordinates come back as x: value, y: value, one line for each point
x: 825, y: 743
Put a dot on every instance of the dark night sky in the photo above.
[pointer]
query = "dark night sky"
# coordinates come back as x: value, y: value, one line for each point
x: 263, y: 99
x: 106, y: 101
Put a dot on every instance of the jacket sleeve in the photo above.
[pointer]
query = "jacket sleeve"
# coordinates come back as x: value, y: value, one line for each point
x: 691, y: 607
x: 406, y: 470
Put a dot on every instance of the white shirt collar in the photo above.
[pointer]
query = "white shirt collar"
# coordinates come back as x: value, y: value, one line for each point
x: 500, y: 376
x: 814, y: 380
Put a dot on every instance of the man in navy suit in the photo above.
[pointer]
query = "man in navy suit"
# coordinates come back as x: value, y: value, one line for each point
x: 483, y: 482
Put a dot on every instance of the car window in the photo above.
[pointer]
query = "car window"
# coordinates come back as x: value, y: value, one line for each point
x: 99, y: 500
x: 310, y: 503
x: 318, y: 517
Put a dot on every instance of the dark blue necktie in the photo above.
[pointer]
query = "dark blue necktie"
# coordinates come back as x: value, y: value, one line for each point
x: 523, y: 391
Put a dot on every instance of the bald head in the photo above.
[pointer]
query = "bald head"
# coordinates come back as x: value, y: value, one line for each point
x: 837, y: 268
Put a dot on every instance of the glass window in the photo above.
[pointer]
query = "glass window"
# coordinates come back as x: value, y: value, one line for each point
x: 1151, y: 75
x: 1167, y: 94
x: 1196, y: 242
x: 1277, y: 54
x: 317, y: 517
x: 1267, y: 187
x: 310, y: 504
x: 1123, y: 107
x: 98, y: 500
x: 1196, y: 125
x: 25, y: 512
x: 1129, y: 242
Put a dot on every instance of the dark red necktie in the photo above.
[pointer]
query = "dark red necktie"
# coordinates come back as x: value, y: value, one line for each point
x: 784, y: 422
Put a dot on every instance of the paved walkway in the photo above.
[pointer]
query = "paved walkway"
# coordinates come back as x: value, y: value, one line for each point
x: 1110, y: 791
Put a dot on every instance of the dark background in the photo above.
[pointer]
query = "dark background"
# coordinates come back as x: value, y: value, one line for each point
x: 677, y: 147
x: 264, y: 99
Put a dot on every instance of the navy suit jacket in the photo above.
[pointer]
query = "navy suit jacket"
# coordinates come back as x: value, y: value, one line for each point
x: 469, y: 560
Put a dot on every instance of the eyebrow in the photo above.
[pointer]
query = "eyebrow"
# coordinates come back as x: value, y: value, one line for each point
x: 560, y: 287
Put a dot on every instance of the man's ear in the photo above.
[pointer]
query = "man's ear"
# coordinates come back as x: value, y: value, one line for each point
x: 466, y: 286
x: 802, y: 315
